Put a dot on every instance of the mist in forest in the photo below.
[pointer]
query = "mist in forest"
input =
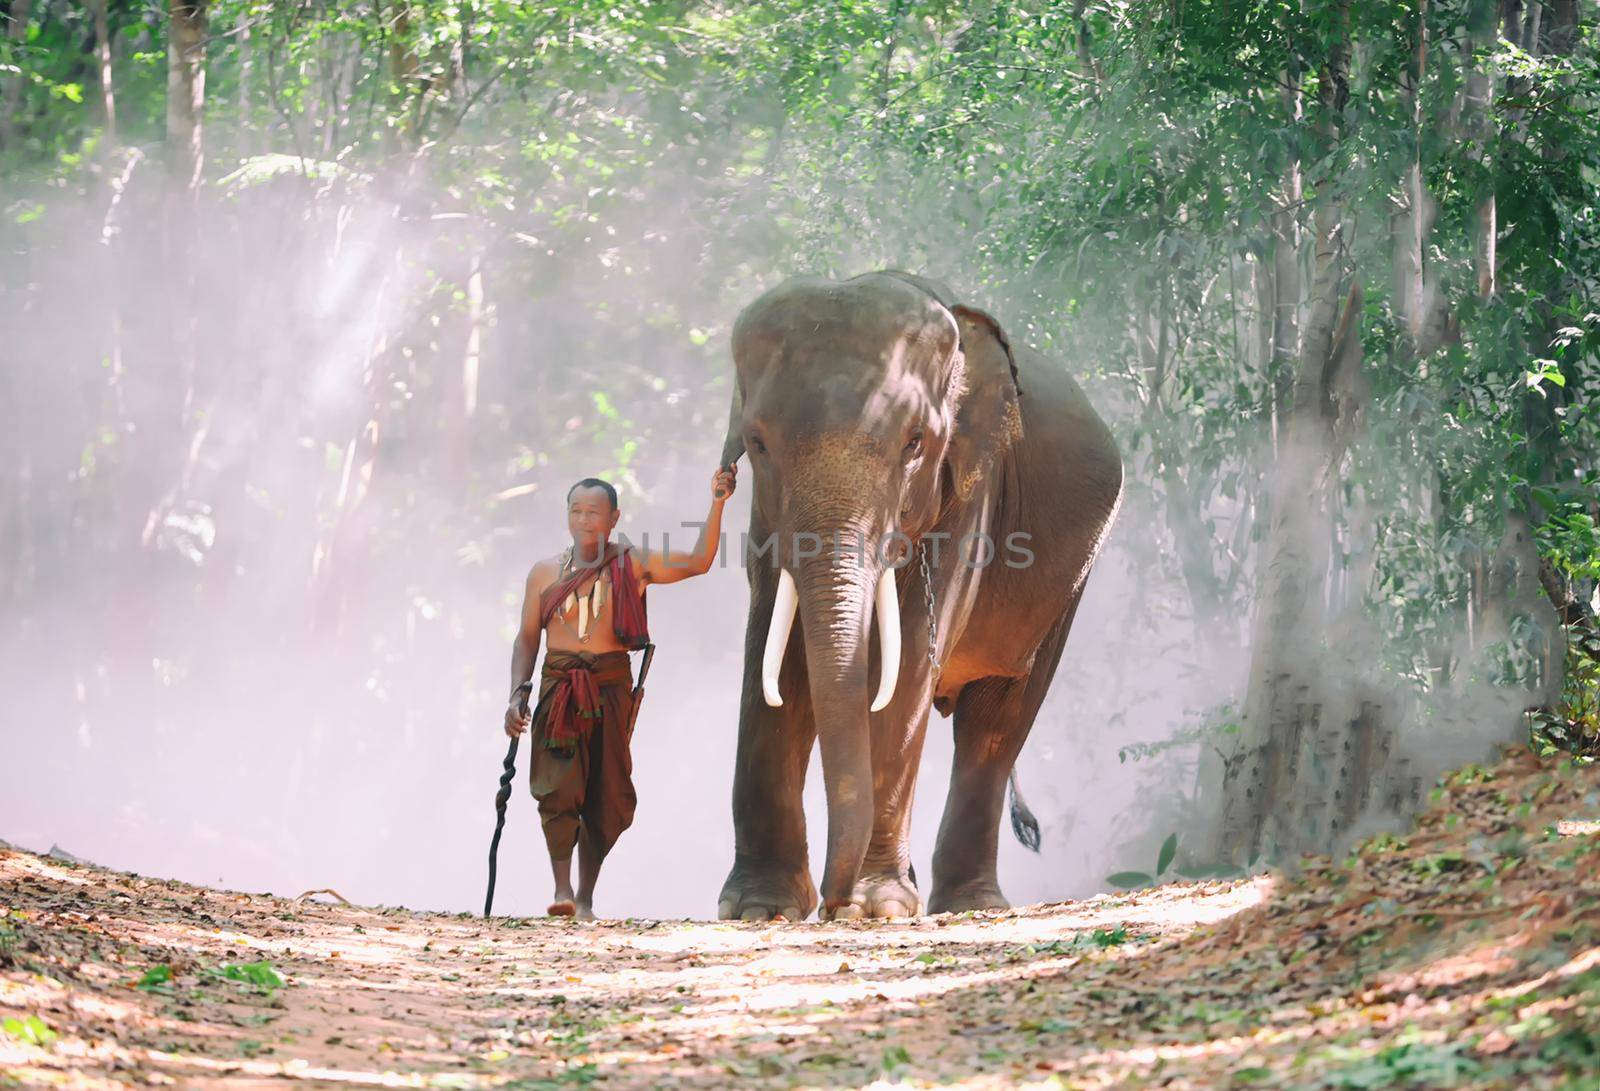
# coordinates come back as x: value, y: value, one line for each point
x: 251, y: 696
x: 290, y: 673
x: 283, y: 446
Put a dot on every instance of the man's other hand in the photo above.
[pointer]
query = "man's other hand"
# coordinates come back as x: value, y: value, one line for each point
x: 724, y: 482
x: 517, y: 720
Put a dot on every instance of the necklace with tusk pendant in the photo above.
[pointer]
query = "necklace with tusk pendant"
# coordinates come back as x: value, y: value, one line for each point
x: 587, y: 605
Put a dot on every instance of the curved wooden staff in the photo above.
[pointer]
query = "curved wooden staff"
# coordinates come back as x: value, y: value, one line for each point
x: 502, y: 797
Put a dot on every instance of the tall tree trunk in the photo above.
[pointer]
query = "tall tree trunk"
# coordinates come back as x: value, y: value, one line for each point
x: 1191, y: 538
x: 472, y: 353
x: 102, y: 56
x: 185, y: 164
x: 464, y: 330
x: 1091, y: 71
x: 1423, y: 303
x: 1286, y: 268
x: 118, y: 169
x: 1507, y: 597
x: 336, y: 556
x: 1481, y: 33
x: 16, y: 34
x: 405, y: 106
x: 247, y: 61
x: 186, y: 96
x: 1410, y: 291
x: 1272, y: 799
x: 1516, y: 588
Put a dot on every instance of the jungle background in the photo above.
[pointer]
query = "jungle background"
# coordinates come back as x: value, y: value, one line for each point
x: 310, y: 312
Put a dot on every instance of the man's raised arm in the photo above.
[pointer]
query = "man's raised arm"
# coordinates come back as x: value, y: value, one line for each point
x: 665, y: 567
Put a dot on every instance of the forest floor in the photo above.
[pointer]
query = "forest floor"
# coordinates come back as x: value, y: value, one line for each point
x: 1467, y: 954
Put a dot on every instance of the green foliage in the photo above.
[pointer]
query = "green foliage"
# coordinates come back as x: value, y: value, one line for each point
x: 1109, y: 937
x: 1574, y: 725
x: 260, y: 974
x: 1169, y: 849
x: 1574, y: 1049
x: 1381, y: 843
x: 1438, y: 864
x: 30, y: 1029
x: 1076, y: 944
x: 894, y: 1059
x: 155, y: 979
x: 1127, y: 880
x: 575, y: 1074
x: 1468, y: 775
x: 1408, y: 1064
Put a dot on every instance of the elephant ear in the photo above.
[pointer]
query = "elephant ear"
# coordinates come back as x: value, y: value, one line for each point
x: 989, y: 419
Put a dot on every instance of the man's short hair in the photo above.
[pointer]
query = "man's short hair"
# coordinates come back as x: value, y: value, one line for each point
x: 595, y: 483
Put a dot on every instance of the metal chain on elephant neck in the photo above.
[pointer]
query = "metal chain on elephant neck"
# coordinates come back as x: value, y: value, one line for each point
x: 933, y: 619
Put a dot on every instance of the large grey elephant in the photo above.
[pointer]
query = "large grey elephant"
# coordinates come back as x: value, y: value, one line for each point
x: 885, y: 422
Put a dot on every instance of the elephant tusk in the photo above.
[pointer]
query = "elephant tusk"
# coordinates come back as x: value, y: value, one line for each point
x: 783, y: 608
x: 888, y: 640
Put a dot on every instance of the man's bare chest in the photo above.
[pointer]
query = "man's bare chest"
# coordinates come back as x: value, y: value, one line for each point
x: 584, y: 620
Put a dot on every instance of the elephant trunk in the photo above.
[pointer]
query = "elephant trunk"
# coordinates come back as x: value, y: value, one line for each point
x: 835, y: 595
x: 787, y: 603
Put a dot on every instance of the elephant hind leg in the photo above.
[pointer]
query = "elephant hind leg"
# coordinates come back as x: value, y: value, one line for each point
x: 992, y: 719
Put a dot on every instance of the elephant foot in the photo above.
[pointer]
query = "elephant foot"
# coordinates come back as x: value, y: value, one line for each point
x: 960, y: 899
x: 880, y: 896
x: 764, y: 894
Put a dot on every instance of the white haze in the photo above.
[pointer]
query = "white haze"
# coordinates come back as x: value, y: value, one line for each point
x: 179, y: 713
x: 267, y: 768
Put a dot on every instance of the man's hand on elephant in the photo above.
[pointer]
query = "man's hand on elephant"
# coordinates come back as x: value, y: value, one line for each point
x: 517, y: 718
x: 724, y: 482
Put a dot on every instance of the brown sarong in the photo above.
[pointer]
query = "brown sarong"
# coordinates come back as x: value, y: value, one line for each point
x: 590, y: 783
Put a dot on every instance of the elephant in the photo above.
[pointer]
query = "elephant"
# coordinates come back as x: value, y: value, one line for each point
x: 897, y: 426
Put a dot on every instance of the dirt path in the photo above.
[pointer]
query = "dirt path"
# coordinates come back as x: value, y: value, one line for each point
x: 1468, y: 956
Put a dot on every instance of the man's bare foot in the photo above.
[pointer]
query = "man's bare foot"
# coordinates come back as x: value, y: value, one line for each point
x: 562, y: 907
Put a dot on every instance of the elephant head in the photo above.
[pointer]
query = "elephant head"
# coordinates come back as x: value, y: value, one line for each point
x: 867, y: 408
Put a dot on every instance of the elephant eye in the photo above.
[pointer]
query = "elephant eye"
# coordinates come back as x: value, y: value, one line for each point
x: 913, y: 446
x: 757, y: 446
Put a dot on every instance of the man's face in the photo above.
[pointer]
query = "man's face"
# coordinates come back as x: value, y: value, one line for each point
x: 590, y: 516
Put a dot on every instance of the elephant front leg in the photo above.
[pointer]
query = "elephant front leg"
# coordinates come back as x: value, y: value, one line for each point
x: 888, y: 883
x: 771, y: 873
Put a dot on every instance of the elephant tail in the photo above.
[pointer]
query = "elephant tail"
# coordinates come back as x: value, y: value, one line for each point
x: 1023, y: 823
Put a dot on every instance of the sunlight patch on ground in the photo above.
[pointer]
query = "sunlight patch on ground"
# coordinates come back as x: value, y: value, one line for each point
x: 1484, y: 961
x: 762, y: 989
x: 1315, y: 979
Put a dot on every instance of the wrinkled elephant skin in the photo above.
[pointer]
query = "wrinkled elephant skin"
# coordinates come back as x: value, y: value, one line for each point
x: 890, y: 425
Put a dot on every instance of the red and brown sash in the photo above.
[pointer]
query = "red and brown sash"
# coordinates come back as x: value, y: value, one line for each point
x: 575, y: 694
x: 571, y: 689
x: 628, y: 619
